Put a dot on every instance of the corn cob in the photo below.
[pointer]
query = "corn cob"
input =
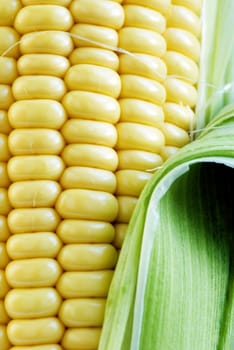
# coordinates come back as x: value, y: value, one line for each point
x: 77, y: 149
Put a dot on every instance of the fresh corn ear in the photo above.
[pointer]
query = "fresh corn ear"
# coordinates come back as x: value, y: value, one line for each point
x: 94, y: 97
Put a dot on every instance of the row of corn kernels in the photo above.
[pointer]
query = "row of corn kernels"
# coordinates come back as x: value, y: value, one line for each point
x: 8, y: 73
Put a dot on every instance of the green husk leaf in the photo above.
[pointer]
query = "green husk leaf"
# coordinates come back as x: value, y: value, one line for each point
x: 173, y: 285
x: 216, y: 77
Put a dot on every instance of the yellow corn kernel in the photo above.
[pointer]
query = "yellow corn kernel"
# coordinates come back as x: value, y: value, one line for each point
x: 89, y: 77
x: 51, y: 42
x: 30, y: 273
x: 8, y: 70
x: 4, y: 179
x: 89, y: 155
x: 41, y: 219
x: 32, y: 303
x: 4, y: 317
x: 31, y: 194
x: 142, y: 112
x: 144, y: 65
x: 120, y: 231
x: 138, y: 40
x: 91, y: 106
x: 4, y: 150
x: 75, y: 204
x: 5, y: 126
x: 76, y: 257
x: 195, y: 6
x: 33, y: 245
x: 97, y: 12
x: 4, y: 286
x: 43, y: 64
x: 31, y: 332
x: 126, y: 206
x: 81, y: 338
x: 4, y: 341
x: 35, y: 141
x: 37, y: 114
x: 6, y: 96
x: 180, y: 92
x: 96, y: 56
x: 88, y: 178
x: 84, y: 284
x: 43, y: 17
x: 83, y: 231
x: 89, y: 131
x: 181, y: 66
x: 9, y: 40
x: 163, y: 6
x: 38, y: 347
x: 144, y: 17
x: 8, y: 11
x: 42, y: 167
x: 182, y: 116
x: 182, y: 41
x: 131, y: 182
x: 38, y: 87
x: 52, y: 2
x: 4, y: 230
x: 138, y: 160
x: 139, y: 137
x: 135, y: 86
x: 82, y: 312
x: 5, y: 205
x: 184, y: 18
x: 4, y: 258
x: 92, y: 35
x: 174, y: 136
